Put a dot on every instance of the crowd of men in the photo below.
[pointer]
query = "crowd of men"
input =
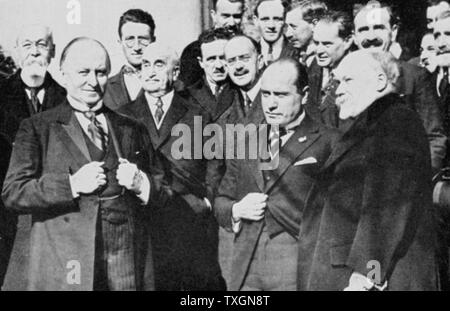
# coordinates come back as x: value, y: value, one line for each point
x: 353, y: 192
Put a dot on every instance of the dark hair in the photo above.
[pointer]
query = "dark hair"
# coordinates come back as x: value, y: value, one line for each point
x: 301, y: 78
x: 342, y: 19
x: 312, y: 10
x: 253, y: 41
x: 214, y: 2
x: 435, y: 2
x: 137, y: 16
x: 69, y: 45
x: 284, y: 3
x: 394, y: 18
x: 215, y: 34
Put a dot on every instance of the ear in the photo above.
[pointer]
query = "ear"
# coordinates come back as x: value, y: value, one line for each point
x: 305, y: 95
x: 256, y: 21
x: 200, y: 62
x: 349, y: 42
x: 394, y: 33
x: 52, y: 51
x: 260, y: 62
x: 176, y: 72
x: 382, y: 82
x: 213, y: 16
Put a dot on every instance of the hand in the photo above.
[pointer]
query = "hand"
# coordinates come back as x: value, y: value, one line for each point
x: 359, y: 283
x: 88, y: 178
x: 251, y: 207
x: 129, y: 176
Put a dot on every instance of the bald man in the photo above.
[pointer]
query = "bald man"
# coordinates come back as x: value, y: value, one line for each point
x: 264, y: 206
x: 185, y: 232
x: 369, y: 222
x: 82, y: 172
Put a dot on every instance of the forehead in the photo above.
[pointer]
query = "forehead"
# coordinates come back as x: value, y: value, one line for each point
x: 86, y: 55
x: 326, y: 32
x: 295, y: 16
x: 227, y: 7
x: 279, y: 78
x: 153, y: 54
x: 354, y: 66
x: 433, y: 11
x: 34, y: 33
x: 131, y: 28
x: 239, y: 46
x: 442, y: 25
x: 370, y: 17
x: 215, y: 47
x: 270, y: 8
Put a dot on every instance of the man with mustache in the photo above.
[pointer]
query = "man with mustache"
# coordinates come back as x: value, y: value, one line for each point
x: 300, y: 21
x: 92, y: 190
x: 136, y: 32
x: 270, y: 17
x: 224, y: 14
x: 375, y: 29
x: 332, y: 39
x: 427, y: 57
x: 29, y: 91
x: 185, y: 251
x: 369, y: 222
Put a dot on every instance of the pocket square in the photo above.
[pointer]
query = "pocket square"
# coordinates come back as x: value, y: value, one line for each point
x: 309, y: 160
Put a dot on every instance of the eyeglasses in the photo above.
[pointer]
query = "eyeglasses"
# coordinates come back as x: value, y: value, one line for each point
x: 131, y: 41
x: 40, y: 45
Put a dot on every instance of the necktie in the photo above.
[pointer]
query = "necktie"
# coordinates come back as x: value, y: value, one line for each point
x: 35, y: 100
x: 247, y: 104
x: 269, y: 59
x: 96, y: 132
x: 443, y: 86
x: 159, y: 111
x: 275, y: 140
x: 217, y: 91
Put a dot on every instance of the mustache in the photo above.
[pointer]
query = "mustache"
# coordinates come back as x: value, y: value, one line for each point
x: 33, y: 61
x: 219, y: 70
x: 241, y: 72
x: 377, y: 42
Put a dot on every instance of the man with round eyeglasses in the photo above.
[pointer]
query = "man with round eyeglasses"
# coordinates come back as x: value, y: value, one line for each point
x: 136, y: 32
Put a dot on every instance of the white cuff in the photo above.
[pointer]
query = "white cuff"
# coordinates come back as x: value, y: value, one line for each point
x: 235, y: 225
x: 75, y: 194
x: 144, y: 194
x: 208, y: 204
x: 437, y: 192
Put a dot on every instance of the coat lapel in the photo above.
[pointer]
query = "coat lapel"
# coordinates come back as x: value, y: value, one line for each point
x: 71, y: 134
x: 117, y: 87
x: 299, y: 142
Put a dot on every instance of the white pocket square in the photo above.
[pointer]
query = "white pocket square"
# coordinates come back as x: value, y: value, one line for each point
x: 309, y: 160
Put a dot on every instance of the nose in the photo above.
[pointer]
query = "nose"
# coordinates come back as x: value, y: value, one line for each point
x: 271, y: 24
x: 272, y: 102
x: 218, y: 63
x: 34, y: 50
x: 230, y: 21
x: 92, y: 79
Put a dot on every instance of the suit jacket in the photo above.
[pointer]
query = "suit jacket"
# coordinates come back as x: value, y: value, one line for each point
x: 287, y: 190
x: 184, y: 249
x: 116, y: 94
x: 287, y: 51
x: 7, y: 228
x: 373, y: 203
x: 48, y: 148
x: 14, y: 105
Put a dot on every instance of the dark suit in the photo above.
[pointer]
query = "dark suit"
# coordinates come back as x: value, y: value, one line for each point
x: 6, y: 228
x: 15, y: 107
x: 373, y: 202
x: 116, y: 94
x: 287, y: 188
x: 65, y: 229
x: 287, y: 51
x: 185, y: 247
x: 417, y: 91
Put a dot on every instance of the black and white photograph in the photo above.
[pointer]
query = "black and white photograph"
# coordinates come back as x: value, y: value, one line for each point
x: 212, y: 147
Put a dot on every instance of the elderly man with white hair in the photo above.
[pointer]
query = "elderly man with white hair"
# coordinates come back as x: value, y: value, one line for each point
x: 368, y: 224
x: 29, y: 91
x: 185, y: 232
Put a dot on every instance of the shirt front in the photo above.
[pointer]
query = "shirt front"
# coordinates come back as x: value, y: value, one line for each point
x: 132, y: 82
x: 277, y: 47
x: 166, y: 100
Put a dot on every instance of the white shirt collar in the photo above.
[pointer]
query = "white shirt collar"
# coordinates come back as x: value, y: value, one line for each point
x: 396, y: 49
x: 253, y: 92
x: 80, y: 107
x: 167, y: 101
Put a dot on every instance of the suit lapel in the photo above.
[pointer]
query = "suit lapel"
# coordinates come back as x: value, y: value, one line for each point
x: 226, y: 100
x: 71, y: 134
x: 205, y: 98
x: 176, y: 111
x: 294, y: 147
x: 118, y: 88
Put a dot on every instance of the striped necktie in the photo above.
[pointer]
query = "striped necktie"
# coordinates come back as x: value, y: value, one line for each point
x: 159, y: 111
x: 96, y: 132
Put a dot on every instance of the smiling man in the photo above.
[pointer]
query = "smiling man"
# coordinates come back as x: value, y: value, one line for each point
x: 270, y: 17
x: 264, y: 207
x: 90, y: 192
x: 136, y: 32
